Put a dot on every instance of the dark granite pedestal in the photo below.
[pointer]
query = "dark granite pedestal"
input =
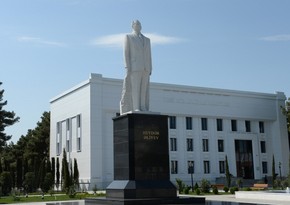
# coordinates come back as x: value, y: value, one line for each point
x: 141, y: 163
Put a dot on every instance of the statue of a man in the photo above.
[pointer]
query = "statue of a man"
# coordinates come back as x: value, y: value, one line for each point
x: 138, y: 65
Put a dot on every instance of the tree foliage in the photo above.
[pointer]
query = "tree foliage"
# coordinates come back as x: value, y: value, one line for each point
x: 228, y: 174
x: 273, y: 170
x: 7, y: 118
x: 27, y: 161
x: 286, y: 112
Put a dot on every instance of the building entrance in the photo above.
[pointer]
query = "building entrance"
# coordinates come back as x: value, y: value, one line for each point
x: 244, y: 159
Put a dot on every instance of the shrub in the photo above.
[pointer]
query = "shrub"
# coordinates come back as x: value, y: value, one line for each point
x: 195, y: 186
x: 246, y: 189
x: 95, y: 189
x: 186, y: 189
x: 205, y: 186
x: 71, y: 192
x: 215, y: 190
x: 226, y: 189
x: 197, y: 191
x: 233, y: 190
x: 180, y: 185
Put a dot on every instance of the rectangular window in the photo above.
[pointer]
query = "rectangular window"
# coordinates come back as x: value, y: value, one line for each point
x: 190, y: 167
x: 222, y: 167
x: 189, y: 142
x: 79, y: 136
x: 67, y: 125
x: 219, y: 124
x: 248, y: 126
x: 67, y: 145
x: 58, y: 138
x: 188, y: 123
x: 263, y: 146
x: 173, y: 144
x: 205, y: 145
x: 203, y: 123
x: 172, y: 122
x: 79, y: 121
x: 174, y: 167
x: 57, y: 148
x: 261, y: 127
x: 221, y: 145
x: 265, y: 167
x: 234, y: 125
x: 206, y: 167
x: 68, y: 135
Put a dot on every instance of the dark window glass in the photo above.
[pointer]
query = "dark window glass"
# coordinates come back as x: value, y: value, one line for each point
x: 173, y: 144
x: 248, y: 126
x: 203, y: 123
x: 172, y: 122
x: 263, y: 146
x: 189, y: 143
x: 261, y: 127
x: 222, y: 167
x: 205, y: 145
x: 221, y: 145
x: 188, y: 123
x: 206, y: 167
x: 234, y: 125
x: 219, y: 124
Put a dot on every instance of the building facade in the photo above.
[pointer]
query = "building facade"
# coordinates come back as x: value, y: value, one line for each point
x: 205, y: 125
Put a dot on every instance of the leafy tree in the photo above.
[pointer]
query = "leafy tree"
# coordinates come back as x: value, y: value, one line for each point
x: 37, y: 147
x: 6, y: 182
x: 1, y: 169
x: 47, y: 182
x: 19, y: 172
x: 29, y: 182
x: 228, y: 174
x: 7, y: 118
x: 286, y: 111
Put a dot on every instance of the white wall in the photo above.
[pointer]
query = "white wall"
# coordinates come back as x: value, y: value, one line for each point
x: 97, y: 100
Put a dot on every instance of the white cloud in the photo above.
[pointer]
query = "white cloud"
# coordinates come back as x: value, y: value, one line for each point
x: 35, y: 40
x: 277, y: 38
x: 116, y: 40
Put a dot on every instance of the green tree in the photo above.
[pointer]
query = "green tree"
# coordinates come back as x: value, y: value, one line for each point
x: 228, y: 174
x: 29, y: 182
x: 53, y: 169
x: 273, y: 171
x: 7, y: 118
x: 19, y: 173
x: 57, y: 173
x: 6, y: 182
x: 286, y: 112
x: 65, y: 175
x: 76, y: 174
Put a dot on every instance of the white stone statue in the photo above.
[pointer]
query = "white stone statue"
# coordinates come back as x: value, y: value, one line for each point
x: 138, y: 65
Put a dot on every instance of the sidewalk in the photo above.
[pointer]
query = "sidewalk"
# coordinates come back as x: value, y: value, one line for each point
x: 232, y: 198
x: 225, y: 198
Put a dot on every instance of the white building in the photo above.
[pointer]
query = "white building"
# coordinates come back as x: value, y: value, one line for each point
x: 205, y: 125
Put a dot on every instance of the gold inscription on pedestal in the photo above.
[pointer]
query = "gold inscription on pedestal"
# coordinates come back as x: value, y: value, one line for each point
x: 150, y: 135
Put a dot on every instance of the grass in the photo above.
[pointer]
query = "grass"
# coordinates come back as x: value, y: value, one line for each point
x: 47, y: 198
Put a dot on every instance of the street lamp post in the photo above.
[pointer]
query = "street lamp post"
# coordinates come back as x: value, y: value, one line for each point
x: 190, y: 171
x: 280, y: 171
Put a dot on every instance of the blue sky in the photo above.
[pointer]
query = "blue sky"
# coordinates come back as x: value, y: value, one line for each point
x: 48, y: 46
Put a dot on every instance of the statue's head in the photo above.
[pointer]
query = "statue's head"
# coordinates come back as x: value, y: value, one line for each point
x: 136, y: 25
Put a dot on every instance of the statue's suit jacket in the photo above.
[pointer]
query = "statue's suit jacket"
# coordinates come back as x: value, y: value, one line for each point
x: 137, y: 54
